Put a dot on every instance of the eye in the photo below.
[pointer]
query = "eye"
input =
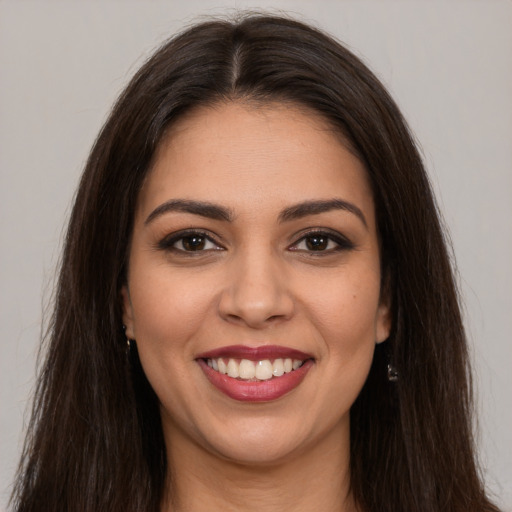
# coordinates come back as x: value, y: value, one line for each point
x: 192, y: 241
x: 321, y: 241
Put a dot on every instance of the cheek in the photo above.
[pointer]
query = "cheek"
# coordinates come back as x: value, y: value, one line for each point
x: 168, y: 307
x: 344, y: 313
x: 169, y: 312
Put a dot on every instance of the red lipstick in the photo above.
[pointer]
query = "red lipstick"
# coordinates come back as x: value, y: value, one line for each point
x: 255, y: 390
x: 255, y: 353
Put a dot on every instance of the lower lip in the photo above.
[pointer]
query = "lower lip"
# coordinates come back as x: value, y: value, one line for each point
x: 256, y: 391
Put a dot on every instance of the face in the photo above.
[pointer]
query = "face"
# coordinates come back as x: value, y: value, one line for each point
x: 253, y: 289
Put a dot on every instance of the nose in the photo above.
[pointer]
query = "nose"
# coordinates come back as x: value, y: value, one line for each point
x: 256, y: 292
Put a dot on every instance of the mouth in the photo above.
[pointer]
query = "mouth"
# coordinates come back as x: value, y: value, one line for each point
x: 255, y: 374
x: 254, y: 371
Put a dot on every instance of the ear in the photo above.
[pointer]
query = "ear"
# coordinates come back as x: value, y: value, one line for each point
x: 127, y: 313
x: 384, y: 311
x: 383, y: 322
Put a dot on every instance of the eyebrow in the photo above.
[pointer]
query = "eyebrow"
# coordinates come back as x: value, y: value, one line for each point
x: 204, y: 209
x: 315, y: 207
x: 217, y: 212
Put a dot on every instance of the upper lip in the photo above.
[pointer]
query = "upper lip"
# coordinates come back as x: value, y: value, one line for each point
x: 255, y: 353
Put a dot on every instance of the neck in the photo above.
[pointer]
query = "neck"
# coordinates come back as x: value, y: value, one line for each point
x: 316, y: 479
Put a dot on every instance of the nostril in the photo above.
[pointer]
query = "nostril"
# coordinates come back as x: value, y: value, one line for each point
x: 275, y: 318
x: 255, y: 302
x: 253, y: 320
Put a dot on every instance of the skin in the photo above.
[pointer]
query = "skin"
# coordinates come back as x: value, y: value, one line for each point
x: 256, y: 282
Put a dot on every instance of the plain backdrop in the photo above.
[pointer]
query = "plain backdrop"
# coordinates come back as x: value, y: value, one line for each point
x: 448, y: 63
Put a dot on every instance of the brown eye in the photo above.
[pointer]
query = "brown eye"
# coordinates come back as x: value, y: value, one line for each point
x: 192, y: 243
x: 317, y: 242
x: 188, y: 242
x: 322, y: 242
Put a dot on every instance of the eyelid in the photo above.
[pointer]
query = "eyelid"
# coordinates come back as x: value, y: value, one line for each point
x: 343, y: 243
x: 168, y: 241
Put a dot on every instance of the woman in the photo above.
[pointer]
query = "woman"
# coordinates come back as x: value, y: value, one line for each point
x: 256, y: 309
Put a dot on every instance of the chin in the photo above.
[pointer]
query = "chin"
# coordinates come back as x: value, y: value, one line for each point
x: 269, y: 443
x: 271, y: 451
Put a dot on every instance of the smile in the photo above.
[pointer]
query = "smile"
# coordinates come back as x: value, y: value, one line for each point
x: 246, y: 369
x: 255, y: 374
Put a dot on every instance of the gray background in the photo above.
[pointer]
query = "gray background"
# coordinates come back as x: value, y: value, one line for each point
x: 448, y: 63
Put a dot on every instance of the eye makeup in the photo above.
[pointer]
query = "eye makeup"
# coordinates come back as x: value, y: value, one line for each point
x: 189, y: 241
x: 315, y: 242
x: 321, y: 241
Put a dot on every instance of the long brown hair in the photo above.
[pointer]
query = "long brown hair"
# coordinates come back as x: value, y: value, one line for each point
x: 95, y: 440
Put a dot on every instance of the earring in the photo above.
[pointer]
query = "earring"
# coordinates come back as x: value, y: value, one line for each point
x: 392, y: 373
x: 128, y: 342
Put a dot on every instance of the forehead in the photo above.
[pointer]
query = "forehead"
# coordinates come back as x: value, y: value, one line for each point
x: 263, y: 156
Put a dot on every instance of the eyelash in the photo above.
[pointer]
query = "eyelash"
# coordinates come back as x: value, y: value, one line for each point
x: 341, y: 242
x: 167, y: 244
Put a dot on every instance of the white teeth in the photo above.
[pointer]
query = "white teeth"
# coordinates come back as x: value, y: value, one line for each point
x: 233, y: 370
x: 278, y: 368
x: 222, y: 366
x: 254, y: 370
x: 264, y: 370
x: 247, y: 369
